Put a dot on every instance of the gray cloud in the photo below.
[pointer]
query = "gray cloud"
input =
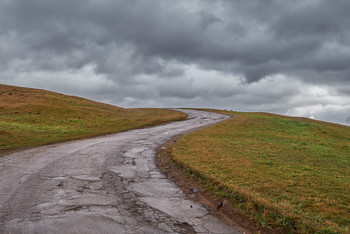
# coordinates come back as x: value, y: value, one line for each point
x: 159, y: 53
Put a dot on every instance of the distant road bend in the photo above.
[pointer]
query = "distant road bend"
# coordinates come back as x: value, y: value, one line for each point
x: 107, y: 184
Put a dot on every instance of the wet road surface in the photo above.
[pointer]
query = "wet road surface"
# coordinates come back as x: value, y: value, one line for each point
x: 107, y: 184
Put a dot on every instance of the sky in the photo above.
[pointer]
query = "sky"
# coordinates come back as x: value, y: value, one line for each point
x: 285, y: 57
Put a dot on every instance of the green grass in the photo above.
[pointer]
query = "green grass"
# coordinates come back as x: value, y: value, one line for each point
x: 290, y: 174
x: 31, y: 117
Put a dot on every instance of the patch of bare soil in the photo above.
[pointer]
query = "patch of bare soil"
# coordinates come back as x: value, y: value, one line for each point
x: 219, y: 207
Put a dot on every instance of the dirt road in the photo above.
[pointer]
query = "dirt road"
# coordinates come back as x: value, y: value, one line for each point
x: 108, y: 184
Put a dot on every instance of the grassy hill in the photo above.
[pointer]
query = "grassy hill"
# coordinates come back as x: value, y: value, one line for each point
x: 289, y: 174
x: 31, y: 117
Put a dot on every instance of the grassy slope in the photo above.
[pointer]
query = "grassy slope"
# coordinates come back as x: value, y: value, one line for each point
x: 30, y: 117
x: 286, y: 173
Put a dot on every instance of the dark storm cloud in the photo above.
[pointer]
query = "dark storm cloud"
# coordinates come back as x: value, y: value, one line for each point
x: 133, y: 50
x: 255, y: 38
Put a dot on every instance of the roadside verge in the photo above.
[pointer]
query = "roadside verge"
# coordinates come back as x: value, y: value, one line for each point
x: 219, y: 207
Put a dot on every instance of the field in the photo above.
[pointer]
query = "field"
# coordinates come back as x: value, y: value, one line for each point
x: 288, y: 174
x: 31, y: 117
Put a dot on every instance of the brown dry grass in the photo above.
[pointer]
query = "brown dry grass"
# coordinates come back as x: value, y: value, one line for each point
x: 31, y: 117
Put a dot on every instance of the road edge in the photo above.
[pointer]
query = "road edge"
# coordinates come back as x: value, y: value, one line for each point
x: 194, y: 190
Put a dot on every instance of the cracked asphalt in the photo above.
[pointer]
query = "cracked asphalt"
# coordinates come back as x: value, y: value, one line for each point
x: 107, y: 184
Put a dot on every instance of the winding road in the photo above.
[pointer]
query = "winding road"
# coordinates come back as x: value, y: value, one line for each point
x: 107, y: 184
